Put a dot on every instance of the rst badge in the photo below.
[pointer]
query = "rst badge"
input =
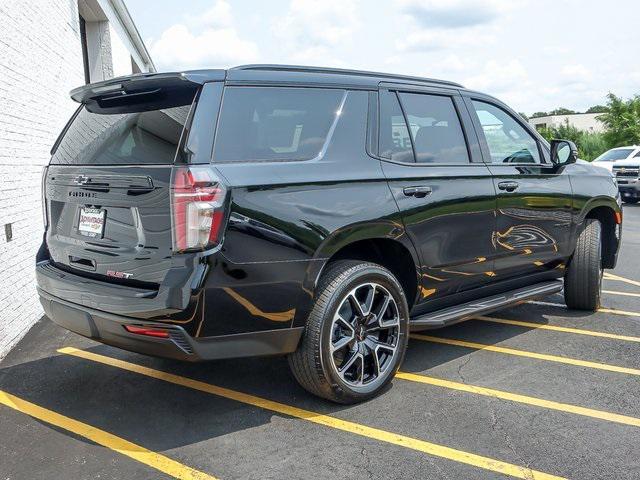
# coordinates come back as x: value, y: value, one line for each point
x: 113, y: 273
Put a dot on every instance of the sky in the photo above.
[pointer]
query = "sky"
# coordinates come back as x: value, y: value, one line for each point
x: 536, y: 55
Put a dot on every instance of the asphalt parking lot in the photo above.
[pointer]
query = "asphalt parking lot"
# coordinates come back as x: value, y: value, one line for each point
x: 536, y: 391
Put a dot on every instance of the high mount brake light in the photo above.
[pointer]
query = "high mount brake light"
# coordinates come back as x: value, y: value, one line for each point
x: 197, y: 203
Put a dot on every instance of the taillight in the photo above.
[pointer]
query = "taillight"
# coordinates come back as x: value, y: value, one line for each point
x: 197, y: 204
x: 43, y: 197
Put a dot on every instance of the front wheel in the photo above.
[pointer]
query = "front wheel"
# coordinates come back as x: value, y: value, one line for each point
x: 356, y: 334
x: 583, y: 278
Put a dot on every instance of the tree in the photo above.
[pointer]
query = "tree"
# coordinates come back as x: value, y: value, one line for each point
x: 590, y: 144
x: 539, y: 114
x: 622, y: 121
x: 562, y: 111
x: 524, y: 115
x: 597, y: 109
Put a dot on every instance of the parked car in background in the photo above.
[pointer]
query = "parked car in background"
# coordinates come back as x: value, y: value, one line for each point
x: 627, y: 174
x: 608, y: 158
x: 317, y: 213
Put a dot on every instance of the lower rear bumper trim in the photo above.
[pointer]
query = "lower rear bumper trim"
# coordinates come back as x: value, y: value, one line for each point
x: 109, y: 329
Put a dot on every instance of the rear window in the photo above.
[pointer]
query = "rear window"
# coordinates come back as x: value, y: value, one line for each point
x: 271, y: 123
x: 149, y: 137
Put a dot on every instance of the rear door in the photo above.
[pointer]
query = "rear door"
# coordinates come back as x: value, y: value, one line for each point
x: 534, y: 197
x: 443, y: 190
x: 107, y: 190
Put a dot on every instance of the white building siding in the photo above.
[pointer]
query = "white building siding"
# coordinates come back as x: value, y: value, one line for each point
x: 40, y: 61
x: 121, y: 57
x: 587, y: 122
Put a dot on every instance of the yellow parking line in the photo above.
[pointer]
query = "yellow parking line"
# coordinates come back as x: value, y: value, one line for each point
x: 556, y: 328
x: 618, y: 278
x: 523, y: 353
x: 613, y: 311
x: 320, y: 419
x: 106, y: 439
x: 514, y: 397
x: 627, y: 294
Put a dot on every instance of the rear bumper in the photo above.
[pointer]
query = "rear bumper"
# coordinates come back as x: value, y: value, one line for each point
x: 109, y: 329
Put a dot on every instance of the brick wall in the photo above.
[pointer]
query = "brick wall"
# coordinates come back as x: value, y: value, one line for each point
x: 40, y: 61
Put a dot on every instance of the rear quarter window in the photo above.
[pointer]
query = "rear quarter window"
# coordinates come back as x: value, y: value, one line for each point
x: 274, y: 123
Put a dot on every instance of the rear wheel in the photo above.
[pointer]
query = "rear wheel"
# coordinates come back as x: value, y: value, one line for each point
x: 583, y: 278
x: 356, y: 334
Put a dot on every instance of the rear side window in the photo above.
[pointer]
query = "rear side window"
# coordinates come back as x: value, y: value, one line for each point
x: 148, y: 137
x: 273, y: 123
x: 435, y: 128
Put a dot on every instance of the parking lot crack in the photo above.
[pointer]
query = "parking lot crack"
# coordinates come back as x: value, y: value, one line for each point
x: 495, y: 420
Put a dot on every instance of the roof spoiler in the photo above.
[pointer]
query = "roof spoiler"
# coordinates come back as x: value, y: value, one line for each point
x: 144, y: 83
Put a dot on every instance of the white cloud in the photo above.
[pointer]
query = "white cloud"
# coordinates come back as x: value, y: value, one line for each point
x: 219, y: 15
x: 205, y: 42
x: 576, y: 73
x: 313, y: 30
x: 438, y: 39
x: 508, y: 81
x: 453, y: 13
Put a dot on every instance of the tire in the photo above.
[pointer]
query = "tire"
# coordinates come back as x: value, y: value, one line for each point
x: 583, y: 278
x: 631, y: 201
x: 368, y: 359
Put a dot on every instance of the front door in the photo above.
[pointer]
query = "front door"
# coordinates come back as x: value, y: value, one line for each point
x: 446, y: 200
x: 534, y: 197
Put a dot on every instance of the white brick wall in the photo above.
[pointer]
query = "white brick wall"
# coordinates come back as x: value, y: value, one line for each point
x: 40, y: 61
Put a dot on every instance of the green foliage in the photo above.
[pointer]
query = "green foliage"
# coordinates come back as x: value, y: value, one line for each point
x: 590, y: 144
x: 622, y: 121
x: 597, y: 109
x: 524, y: 115
x: 562, y: 111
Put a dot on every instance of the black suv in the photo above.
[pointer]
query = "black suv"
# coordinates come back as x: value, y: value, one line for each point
x: 312, y: 212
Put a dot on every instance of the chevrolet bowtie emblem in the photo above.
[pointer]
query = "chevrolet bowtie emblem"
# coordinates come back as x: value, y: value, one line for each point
x: 81, y: 180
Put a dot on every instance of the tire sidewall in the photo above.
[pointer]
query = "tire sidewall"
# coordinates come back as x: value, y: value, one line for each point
x: 373, y: 274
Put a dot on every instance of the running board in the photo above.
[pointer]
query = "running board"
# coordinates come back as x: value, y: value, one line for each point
x: 449, y: 316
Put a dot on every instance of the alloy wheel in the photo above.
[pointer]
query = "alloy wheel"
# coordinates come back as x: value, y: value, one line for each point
x: 365, y: 335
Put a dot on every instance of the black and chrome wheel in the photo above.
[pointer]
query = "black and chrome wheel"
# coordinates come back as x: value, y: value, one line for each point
x: 356, y: 335
x: 364, y: 336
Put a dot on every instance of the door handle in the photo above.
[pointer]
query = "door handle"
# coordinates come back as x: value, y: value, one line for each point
x: 508, y: 186
x: 418, y: 192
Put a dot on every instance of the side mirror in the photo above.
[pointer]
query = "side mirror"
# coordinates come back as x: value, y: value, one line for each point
x: 563, y: 152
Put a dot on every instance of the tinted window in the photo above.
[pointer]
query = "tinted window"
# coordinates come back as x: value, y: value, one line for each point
x: 395, y: 142
x: 508, y: 141
x: 149, y: 137
x: 266, y: 123
x: 612, y: 155
x: 435, y: 128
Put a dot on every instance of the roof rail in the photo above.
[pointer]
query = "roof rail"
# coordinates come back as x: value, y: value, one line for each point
x: 341, y: 71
